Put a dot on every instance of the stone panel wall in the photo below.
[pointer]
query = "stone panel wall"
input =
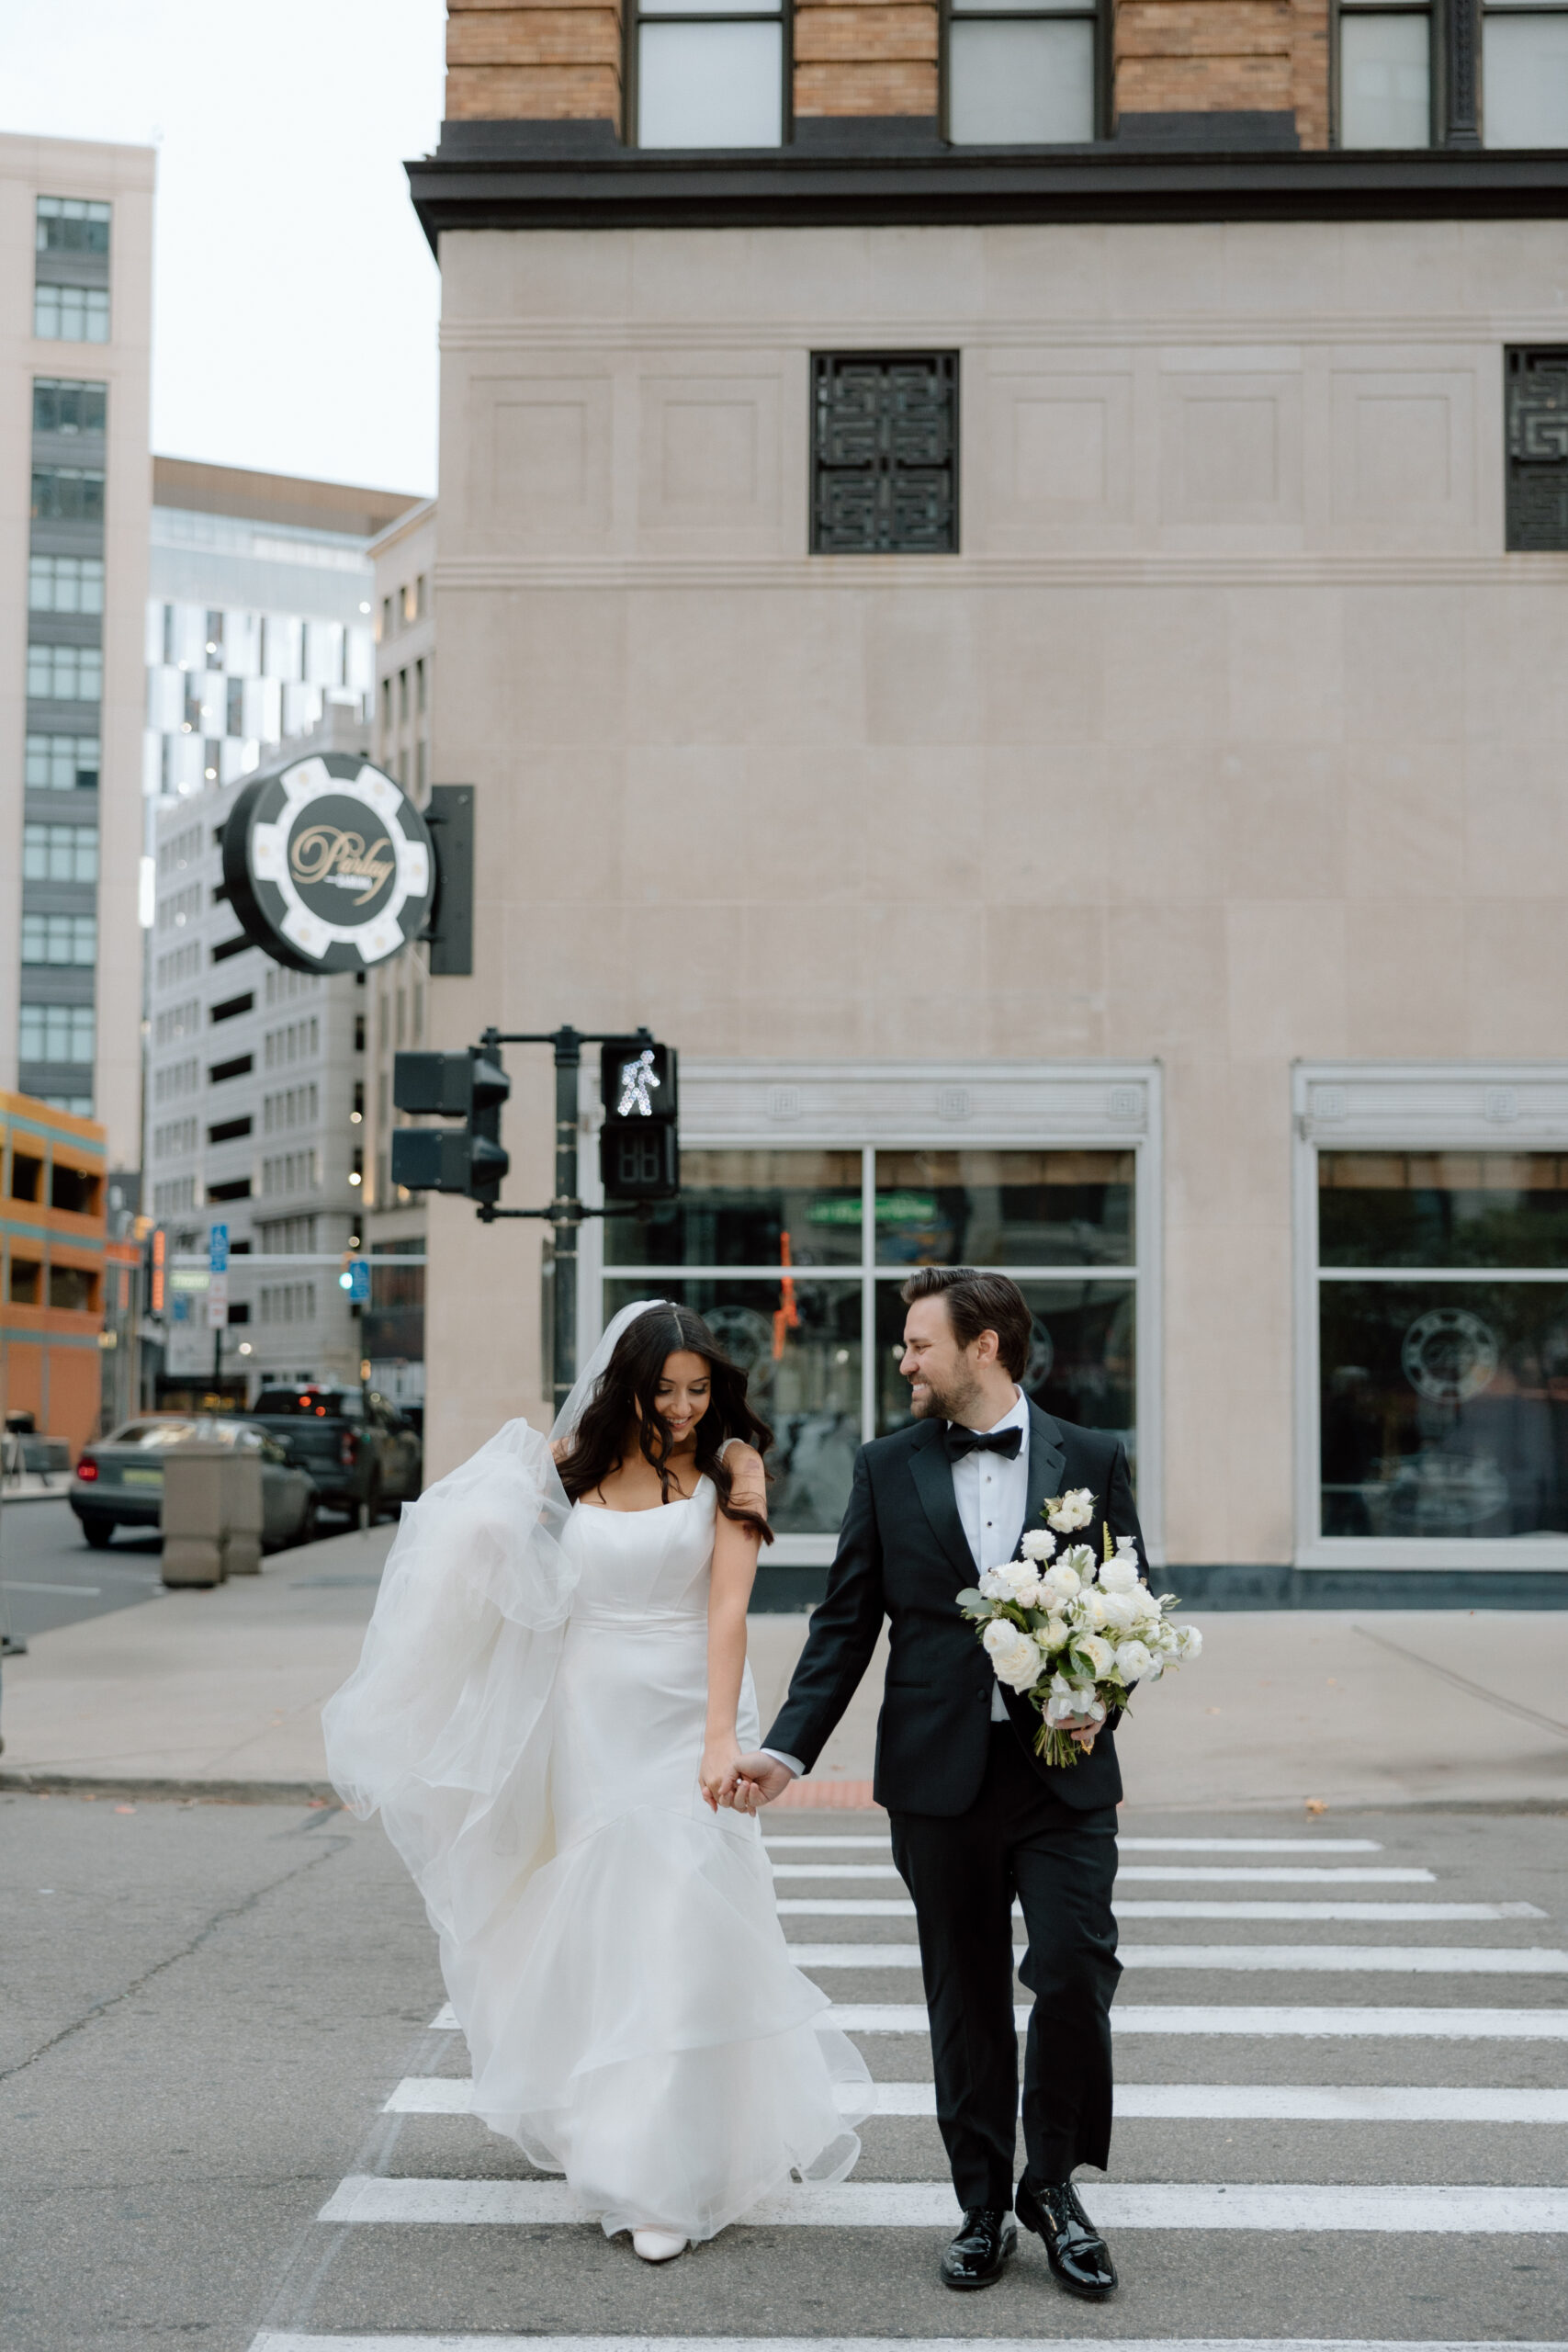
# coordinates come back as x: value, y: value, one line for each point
x: 558, y: 62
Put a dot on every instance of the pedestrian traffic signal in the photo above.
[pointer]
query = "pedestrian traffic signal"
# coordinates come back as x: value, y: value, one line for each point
x: 471, y: 1086
x: 639, y: 1147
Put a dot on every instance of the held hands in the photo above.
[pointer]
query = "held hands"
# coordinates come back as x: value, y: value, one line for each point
x: 752, y: 1781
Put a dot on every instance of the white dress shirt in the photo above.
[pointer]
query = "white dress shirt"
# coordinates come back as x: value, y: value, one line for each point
x: 991, y: 1494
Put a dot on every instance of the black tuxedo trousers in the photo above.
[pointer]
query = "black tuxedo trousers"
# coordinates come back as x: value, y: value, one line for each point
x: 978, y: 1819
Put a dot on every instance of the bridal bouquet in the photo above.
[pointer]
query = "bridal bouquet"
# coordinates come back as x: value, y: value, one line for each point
x: 1075, y: 1635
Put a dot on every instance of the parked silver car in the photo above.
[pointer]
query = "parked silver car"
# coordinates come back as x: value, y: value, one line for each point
x: 118, y: 1482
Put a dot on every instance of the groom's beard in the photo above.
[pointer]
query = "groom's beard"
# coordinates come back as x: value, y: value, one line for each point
x: 940, y: 1404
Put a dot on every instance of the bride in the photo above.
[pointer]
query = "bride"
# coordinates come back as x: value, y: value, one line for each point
x: 552, y: 1692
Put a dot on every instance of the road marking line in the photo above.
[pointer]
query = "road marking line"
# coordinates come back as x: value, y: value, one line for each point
x: 1434, y: 2024
x: 1358, y: 1960
x: 1187, y: 1873
x: 1137, y: 1845
x: 904, y: 2205
x: 1162, y: 2102
x: 1431, y: 2025
x: 270, y: 2340
x: 893, y: 1906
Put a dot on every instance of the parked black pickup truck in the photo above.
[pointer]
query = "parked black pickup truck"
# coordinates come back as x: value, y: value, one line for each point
x: 357, y: 1447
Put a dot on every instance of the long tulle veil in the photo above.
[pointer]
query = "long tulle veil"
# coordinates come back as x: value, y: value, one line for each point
x: 444, y: 1726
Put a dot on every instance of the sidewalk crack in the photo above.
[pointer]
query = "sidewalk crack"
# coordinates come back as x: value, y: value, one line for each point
x: 1461, y: 1682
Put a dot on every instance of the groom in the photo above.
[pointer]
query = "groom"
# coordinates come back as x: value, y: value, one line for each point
x: 976, y: 1819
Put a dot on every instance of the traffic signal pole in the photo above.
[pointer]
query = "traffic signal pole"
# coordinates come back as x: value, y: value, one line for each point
x: 566, y: 1211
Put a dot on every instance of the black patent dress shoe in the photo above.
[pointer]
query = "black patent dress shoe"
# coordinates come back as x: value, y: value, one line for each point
x: 977, y: 2255
x: 1077, y: 2252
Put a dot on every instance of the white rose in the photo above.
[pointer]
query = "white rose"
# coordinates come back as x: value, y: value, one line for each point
x: 1121, y: 1574
x: 1017, y: 1580
x: 1091, y: 1611
x: 1189, y: 1640
x: 1081, y: 1560
x: 1120, y: 1611
x: 1058, y: 1584
x: 1097, y: 1652
x: 1015, y: 1658
x: 1145, y: 1606
x: 1134, y: 1661
x: 1039, y: 1544
x: 1073, y: 1509
x: 1052, y: 1634
x: 1067, y: 1706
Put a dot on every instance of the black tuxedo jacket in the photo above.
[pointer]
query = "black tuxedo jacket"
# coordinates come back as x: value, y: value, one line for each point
x: 903, y: 1554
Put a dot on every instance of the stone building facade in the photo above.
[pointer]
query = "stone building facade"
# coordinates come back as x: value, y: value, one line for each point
x: 1034, y: 666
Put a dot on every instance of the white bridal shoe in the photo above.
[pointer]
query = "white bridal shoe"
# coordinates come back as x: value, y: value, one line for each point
x: 657, y: 2245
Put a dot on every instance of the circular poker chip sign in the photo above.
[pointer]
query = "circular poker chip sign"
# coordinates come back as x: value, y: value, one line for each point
x: 329, y: 866
x: 1449, y: 1355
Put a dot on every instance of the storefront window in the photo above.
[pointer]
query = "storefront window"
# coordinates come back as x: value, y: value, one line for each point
x: 796, y: 1259
x: 1443, y: 1343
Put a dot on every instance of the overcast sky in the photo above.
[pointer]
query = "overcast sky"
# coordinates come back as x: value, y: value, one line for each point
x: 296, y: 300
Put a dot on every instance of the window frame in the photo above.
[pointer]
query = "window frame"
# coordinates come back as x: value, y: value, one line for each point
x: 1101, y: 16
x: 632, y: 20
x: 1437, y: 14
x: 1481, y: 11
x: 1421, y: 1107
x: 911, y: 1106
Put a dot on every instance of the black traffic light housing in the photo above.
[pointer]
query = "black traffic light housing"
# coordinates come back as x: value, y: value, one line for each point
x: 470, y: 1086
x: 640, y: 1145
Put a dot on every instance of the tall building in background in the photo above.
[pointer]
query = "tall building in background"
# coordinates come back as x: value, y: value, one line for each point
x: 261, y: 628
x: 76, y: 304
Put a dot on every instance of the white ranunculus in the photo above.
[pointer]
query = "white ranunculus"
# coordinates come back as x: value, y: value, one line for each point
x: 1015, y: 1656
x: 1098, y: 1653
x: 1120, y: 1574
x: 1059, y: 1583
x: 1073, y: 1509
x: 1067, y: 1705
x: 1052, y: 1634
x: 1091, y: 1611
x: 1016, y: 1580
x: 1134, y: 1661
x: 1039, y: 1544
x: 1120, y: 1611
x: 1078, y: 1557
x: 1189, y: 1640
x: 1147, y: 1614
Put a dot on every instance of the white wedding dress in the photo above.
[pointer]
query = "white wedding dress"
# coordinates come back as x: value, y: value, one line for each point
x: 528, y: 1717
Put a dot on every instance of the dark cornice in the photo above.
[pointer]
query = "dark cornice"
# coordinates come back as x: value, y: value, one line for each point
x: 589, y: 182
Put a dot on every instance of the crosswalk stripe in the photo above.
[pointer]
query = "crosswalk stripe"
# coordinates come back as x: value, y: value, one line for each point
x: 1368, y: 1960
x: 895, y: 1906
x: 1129, y: 1844
x: 1187, y: 1873
x: 289, y: 2340
x: 1294, y: 2206
x: 1165, y: 2102
x: 1434, y: 2024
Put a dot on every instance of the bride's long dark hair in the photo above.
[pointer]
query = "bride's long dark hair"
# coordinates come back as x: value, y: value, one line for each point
x: 628, y: 1387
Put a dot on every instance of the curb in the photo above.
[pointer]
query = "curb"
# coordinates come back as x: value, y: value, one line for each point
x: 114, y: 1784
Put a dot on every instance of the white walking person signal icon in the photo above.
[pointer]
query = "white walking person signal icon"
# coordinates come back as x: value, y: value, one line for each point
x: 636, y: 1078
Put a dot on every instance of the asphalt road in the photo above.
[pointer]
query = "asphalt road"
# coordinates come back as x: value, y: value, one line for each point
x: 51, y: 1575
x: 217, y: 2021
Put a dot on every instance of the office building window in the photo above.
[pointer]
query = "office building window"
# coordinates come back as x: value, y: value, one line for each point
x: 69, y: 224
x: 710, y: 76
x: 68, y: 494
x: 1524, y: 75
x: 1443, y: 1343
x: 796, y: 1257
x: 71, y: 313
x: 60, y: 853
x: 1536, y: 392
x: 62, y: 405
x: 65, y: 673
x: 61, y: 764
x: 1385, y: 75
x: 1022, y: 76
x: 884, y: 453
x: 65, y: 583
x: 56, y: 1033
x: 59, y: 939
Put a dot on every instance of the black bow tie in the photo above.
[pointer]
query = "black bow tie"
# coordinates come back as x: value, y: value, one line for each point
x: 962, y: 1441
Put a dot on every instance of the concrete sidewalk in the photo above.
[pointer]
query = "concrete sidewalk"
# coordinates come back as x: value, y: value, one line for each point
x: 221, y: 1692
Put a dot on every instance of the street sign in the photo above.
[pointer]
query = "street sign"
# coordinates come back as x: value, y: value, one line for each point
x: 217, y: 1302
x: 329, y: 866
x: 217, y: 1249
x: 356, y: 1279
